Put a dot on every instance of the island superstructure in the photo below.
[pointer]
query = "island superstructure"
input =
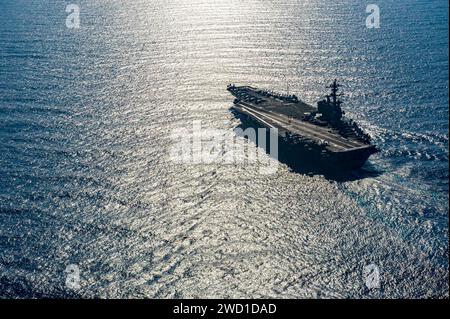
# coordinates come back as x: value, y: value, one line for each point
x: 321, y: 133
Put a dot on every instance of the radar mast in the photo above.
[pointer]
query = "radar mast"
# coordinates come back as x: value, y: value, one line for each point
x: 334, y: 88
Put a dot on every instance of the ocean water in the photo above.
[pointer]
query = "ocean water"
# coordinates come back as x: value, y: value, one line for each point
x: 86, y: 179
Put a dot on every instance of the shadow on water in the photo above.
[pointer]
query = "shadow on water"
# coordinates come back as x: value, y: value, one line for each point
x: 300, y: 161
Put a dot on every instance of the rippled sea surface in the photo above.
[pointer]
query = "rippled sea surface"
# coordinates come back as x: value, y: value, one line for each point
x: 86, y: 178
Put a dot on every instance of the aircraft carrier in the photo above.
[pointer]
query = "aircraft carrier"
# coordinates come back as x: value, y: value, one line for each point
x: 322, y: 134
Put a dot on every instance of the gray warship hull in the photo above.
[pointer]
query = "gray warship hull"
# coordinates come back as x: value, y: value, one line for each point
x: 338, y: 144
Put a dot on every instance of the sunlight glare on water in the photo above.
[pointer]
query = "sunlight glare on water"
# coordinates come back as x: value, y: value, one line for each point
x: 86, y: 179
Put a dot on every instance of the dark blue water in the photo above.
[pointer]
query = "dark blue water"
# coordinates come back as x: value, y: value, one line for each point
x: 86, y: 179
